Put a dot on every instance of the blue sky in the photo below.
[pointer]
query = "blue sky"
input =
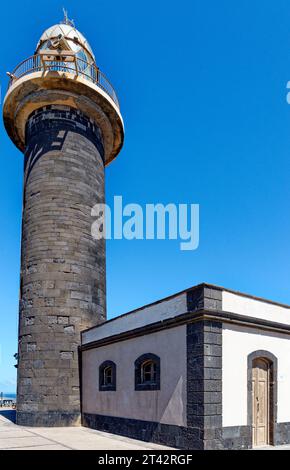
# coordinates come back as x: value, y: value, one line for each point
x: 202, y: 86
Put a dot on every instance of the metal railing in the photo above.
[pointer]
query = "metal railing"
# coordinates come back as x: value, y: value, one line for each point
x: 79, y: 67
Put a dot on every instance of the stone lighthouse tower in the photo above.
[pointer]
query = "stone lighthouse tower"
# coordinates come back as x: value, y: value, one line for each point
x: 63, y: 114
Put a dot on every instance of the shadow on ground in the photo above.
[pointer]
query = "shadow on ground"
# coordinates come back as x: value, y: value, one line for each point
x: 9, y: 414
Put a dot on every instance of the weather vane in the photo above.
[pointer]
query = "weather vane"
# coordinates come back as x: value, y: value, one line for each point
x: 66, y: 19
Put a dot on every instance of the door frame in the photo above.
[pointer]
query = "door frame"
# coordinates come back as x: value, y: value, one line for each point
x: 273, y: 365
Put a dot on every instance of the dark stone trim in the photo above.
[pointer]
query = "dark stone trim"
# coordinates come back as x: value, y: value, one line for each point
x: 282, y: 433
x: 80, y: 366
x: 138, y: 365
x: 204, y: 382
x: 194, y: 383
x: 190, y: 317
x: 228, y: 438
x: 204, y: 298
x: 240, y: 437
x: 273, y: 362
x: 47, y: 419
x: 237, y: 437
x: 148, y: 431
x: 109, y: 387
x: 251, y: 322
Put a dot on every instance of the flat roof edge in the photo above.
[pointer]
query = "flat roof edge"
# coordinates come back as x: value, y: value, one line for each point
x: 203, y: 284
x: 224, y: 317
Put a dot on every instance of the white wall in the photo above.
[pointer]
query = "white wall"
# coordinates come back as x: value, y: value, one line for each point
x: 167, y: 405
x: 255, y: 308
x: 238, y: 343
x: 152, y: 313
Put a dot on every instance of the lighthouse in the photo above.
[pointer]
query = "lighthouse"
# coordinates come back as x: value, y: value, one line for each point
x: 63, y: 114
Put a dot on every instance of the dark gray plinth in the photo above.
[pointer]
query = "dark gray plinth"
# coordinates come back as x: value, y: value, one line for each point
x: 62, y: 267
x: 47, y: 419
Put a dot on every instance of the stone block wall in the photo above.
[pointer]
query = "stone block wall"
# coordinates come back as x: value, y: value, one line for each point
x: 204, y: 383
x: 63, y: 286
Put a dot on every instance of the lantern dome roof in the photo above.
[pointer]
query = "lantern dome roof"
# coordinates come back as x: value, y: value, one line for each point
x: 68, y: 35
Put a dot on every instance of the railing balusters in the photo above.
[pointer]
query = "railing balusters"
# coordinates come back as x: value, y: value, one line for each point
x: 89, y: 71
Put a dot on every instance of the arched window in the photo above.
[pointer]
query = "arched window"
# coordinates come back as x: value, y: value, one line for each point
x: 147, y: 372
x: 107, y: 376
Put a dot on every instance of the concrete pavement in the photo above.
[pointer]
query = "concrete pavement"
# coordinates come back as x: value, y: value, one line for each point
x: 13, y: 437
x: 25, y: 438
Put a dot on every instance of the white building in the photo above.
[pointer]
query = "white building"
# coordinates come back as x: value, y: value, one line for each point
x: 207, y: 368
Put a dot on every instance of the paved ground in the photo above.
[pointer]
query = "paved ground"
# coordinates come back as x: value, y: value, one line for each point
x: 24, y: 438
x: 286, y: 447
